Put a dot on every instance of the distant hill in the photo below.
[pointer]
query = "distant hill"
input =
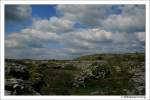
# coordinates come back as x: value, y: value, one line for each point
x: 123, y: 57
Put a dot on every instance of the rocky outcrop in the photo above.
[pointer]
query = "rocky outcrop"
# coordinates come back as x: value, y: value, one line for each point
x: 17, y: 71
x: 111, y: 76
x: 91, y: 72
x: 17, y: 82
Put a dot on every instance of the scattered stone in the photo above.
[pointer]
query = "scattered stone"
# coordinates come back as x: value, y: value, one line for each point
x: 95, y: 93
x: 14, y: 86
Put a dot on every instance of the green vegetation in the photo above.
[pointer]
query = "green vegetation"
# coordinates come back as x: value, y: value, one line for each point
x: 121, y: 57
x: 99, y: 74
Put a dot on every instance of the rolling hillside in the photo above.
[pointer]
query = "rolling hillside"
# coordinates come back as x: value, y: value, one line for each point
x: 98, y: 74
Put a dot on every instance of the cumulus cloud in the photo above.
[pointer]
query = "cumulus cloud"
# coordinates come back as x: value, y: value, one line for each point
x: 53, y: 24
x: 132, y: 19
x: 141, y: 36
x: 17, y: 12
x: 76, y: 43
x: 85, y: 14
x: 86, y: 38
x: 31, y: 38
x: 105, y: 31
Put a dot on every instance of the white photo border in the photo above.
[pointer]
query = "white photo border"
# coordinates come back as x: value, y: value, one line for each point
x: 119, y: 97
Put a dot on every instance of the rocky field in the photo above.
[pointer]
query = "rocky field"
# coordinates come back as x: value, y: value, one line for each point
x: 99, y: 74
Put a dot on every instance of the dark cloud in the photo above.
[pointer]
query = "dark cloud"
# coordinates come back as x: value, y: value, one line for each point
x: 91, y: 15
x: 17, y: 12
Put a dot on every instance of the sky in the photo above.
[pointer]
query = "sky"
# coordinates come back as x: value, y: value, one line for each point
x: 70, y: 31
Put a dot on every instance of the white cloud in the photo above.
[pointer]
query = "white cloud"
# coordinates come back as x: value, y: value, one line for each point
x: 86, y: 38
x: 132, y: 19
x: 140, y: 35
x: 31, y: 37
x: 41, y: 35
x: 94, y: 34
x: 54, y: 24
x: 58, y: 38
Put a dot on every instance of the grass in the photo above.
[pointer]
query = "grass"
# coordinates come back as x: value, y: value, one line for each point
x: 52, y: 79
